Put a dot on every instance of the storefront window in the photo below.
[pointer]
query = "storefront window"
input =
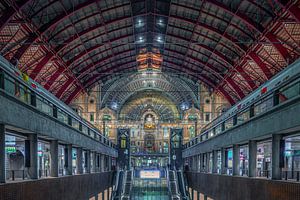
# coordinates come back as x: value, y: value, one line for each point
x: 244, y: 160
x: 264, y: 154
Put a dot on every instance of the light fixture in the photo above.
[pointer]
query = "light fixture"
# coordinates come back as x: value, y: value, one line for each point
x: 114, y: 105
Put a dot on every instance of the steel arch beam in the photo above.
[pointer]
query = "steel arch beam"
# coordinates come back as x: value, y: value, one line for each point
x: 230, y: 81
x: 43, y: 29
x: 278, y: 45
x: 92, y: 79
x: 73, y: 95
x: 227, y: 96
x: 255, y: 26
x: 246, y: 76
x: 295, y: 11
x: 214, y: 16
x: 10, y: 12
x: 53, y: 78
x: 43, y: 62
x: 71, y: 39
x: 83, y: 71
x: 261, y: 64
x: 40, y: 66
x: 64, y: 87
x: 236, y: 88
x: 215, y: 72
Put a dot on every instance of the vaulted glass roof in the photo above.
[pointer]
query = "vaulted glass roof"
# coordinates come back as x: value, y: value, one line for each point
x: 69, y: 46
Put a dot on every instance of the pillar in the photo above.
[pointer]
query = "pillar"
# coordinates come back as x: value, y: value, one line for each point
x: 69, y: 158
x: 54, y: 158
x: 109, y: 163
x: 223, y: 161
x: 215, y: 161
x: 277, y: 151
x: 201, y: 162
x: 196, y: 163
x: 33, y: 151
x: 252, y: 158
x: 102, y: 162
x: 236, y: 160
x: 94, y: 155
x: 2, y: 153
x: 98, y: 162
x: 79, y: 161
x: 88, y: 161
x: 207, y: 162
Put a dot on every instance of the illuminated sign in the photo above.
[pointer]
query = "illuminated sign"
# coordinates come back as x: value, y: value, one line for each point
x: 150, y: 174
x: 10, y: 149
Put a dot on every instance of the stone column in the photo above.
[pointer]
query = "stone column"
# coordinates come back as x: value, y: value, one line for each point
x: 223, y: 161
x: 102, y: 163
x: 98, y: 162
x: 109, y: 163
x: 2, y: 153
x: 54, y: 158
x: 88, y: 159
x: 69, y: 167
x: 215, y: 162
x: 207, y: 162
x: 94, y: 155
x: 236, y: 160
x: 198, y: 164
x: 277, y: 146
x: 201, y: 162
x: 252, y: 158
x: 33, y: 169
x: 79, y: 161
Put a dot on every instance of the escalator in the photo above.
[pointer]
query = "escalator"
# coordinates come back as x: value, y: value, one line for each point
x: 177, y: 185
x: 127, y: 185
x: 182, y: 185
x: 172, y: 183
x: 118, y: 185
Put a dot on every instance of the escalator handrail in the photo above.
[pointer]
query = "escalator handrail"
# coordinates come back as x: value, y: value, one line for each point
x: 115, y: 189
x: 183, y: 185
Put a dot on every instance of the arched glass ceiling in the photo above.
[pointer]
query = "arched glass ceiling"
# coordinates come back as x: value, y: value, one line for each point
x: 177, y: 89
x: 68, y: 46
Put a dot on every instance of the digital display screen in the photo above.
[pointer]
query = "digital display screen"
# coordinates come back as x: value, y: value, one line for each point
x: 150, y: 174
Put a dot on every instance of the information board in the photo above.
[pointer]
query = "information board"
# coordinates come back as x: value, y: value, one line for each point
x: 150, y: 174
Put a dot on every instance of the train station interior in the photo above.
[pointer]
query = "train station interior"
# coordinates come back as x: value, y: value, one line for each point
x: 149, y: 99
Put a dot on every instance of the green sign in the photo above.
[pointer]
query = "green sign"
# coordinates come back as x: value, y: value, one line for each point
x: 106, y: 117
x: 10, y: 149
x: 192, y: 117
